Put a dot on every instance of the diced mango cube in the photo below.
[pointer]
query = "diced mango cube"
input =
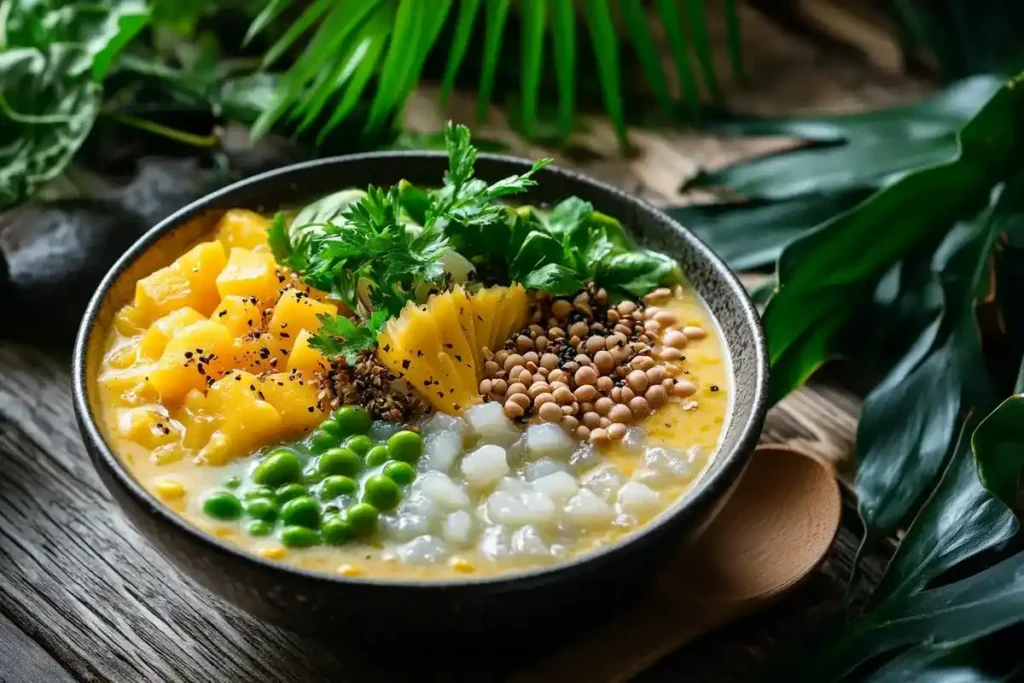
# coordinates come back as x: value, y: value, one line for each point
x: 122, y: 356
x: 129, y: 322
x: 296, y: 311
x: 249, y: 273
x: 296, y: 399
x: 247, y: 421
x: 189, y: 281
x: 159, y: 333
x: 196, y: 419
x: 243, y: 228
x: 129, y: 386
x: 307, y: 360
x: 240, y: 314
x: 148, y: 426
x: 198, y: 352
x: 259, y: 352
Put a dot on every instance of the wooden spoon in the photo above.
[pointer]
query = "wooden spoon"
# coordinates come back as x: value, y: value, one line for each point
x: 772, y: 533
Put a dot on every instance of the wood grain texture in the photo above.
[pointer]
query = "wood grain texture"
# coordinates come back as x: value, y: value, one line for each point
x: 22, y: 660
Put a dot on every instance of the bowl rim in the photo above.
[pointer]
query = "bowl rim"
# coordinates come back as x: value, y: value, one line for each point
x: 701, y: 496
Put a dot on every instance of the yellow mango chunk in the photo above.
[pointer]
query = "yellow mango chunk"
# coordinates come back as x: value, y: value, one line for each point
x: 296, y: 311
x: 148, y: 426
x: 122, y: 356
x: 200, y: 352
x: 129, y: 322
x: 249, y: 273
x: 259, y: 352
x: 240, y: 314
x: 189, y: 281
x: 246, y: 422
x: 305, y: 359
x: 293, y: 396
x: 129, y: 386
x: 154, y: 341
x: 196, y: 420
x: 242, y: 228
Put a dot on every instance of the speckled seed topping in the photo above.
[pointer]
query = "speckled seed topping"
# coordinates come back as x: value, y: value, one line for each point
x: 589, y: 366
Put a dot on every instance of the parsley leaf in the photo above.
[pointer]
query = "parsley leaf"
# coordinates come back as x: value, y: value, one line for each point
x: 340, y: 336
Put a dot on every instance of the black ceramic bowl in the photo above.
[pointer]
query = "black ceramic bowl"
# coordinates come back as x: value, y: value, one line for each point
x: 555, y: 598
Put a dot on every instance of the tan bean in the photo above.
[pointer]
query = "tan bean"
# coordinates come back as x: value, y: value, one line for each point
x: 605, y: 384
x: 485, y: 386
x: 669, y: 353
x: 626, y: 307
x: 585, y: 375
x: 586, y: 392
x: 574, y: 341
x: 596, y: 327
x: 603, y: 405
x: 674, y: 338
x: 621, y: 353
x: 515, y: 372
x: 538, y: 388
x: 531, y: 357
x: 582, y: 359
x: 563, y: 395
x: 657, y: 295
x: 541, y: 342
x: 616, y: 394
x: 612, y: 315
x: 694, y: 332
x: 521, y: 400
x: 624, y: 329
x: 511, y: 361
x: 591, y: 419
x: 550, y: 412
x: 656, y: 396
x: 524, y: 343
x: 501, y: 356
x: 543, y: 372
x: 637, y: 381
x: 639, y: 407
x: 570, y: 423
x: 543, y: 398
x: 605, y: 423
x: 599, y: 437
x: 666, y: 318
x: 571, y: 367
x: 627, y: 394
x: 515, y: 388
x: 604, y: 362
x: 595, y: 344
x: 490, y: 367
x: 525, y: 377
x: 616, y: 431
x: 642, y: 363
x: 557, y: 376
x: 652, y: 327
x: 567, y: 410
x: 656, y: 374
x: 578, y: 329
x: 513, y: 410
x: 621, y: 414
x: 556, y: 333
x: 499, y: 386
x: 614, y: 341
x: 561, y: 309
x: 668, y: 384
x: 586, y: 406
x: 684, y: 388
x: 582, y: 433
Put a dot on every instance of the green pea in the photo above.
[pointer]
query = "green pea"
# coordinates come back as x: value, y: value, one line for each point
x: 360, y: 443
x: 232, y: 482
x: 405, y: 446
x: 333, y: 427
x: 321, y: 441
x: 222, y: 505
x: 353, y: 419
x: 259, y: 492
x: 299, y: 537
x: 301, y: 511
x: 336, y: 530
x: 337, y: 485
x: 378, y: 455
x: 264, y: 509
x: 290, y: 491
x: 362, y: 519
x: 339, y: 461
x: 381, y: 492
x: 399, y: 472
x: 280, y: 467
x: 258, y: 527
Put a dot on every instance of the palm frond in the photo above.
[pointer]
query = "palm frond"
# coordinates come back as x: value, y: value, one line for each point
x: 342, y: 53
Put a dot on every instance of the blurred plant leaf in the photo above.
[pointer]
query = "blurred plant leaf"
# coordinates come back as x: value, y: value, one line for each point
x: 695, y: 18
x: 460, y: 42
x: 54, y: 55
x: 732, y: 27
x: 635, y: 19
x: 534, y: 21
x: 563, y: 15
x: 606, y: 50
x: 495, y: 14
x: 753, y: 234
x: 677, y: 41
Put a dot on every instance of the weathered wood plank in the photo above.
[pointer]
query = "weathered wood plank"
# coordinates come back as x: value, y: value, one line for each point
x: 23, y: 661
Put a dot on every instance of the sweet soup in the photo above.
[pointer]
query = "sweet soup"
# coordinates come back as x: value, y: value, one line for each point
x: 264, y: 386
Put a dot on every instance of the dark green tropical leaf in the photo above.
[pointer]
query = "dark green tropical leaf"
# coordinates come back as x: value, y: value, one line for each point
x: 732, y: 27
x: 999, y: 446
x: 267, y: 15
x: 411, y: 21
x: 925, y: 664
x: 534, y: 20
x: 941, y: 114
x: 563, y: 15
x: 696, y: 21
x: 635, y: 18
x: 677, y: 41
x: 495, y: 14
x: 752, y: 235
x: 606, y: 51
x: 460, y: 42
x: 829, y: 169
x: 306, y: 20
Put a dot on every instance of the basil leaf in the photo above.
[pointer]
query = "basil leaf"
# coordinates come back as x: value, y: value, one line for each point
x: 328, y: 209
x: 637, y: 272
x: 553, y: 278
x: 538, y: 249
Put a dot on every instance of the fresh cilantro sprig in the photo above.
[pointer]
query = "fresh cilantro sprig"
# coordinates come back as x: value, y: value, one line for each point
x: 340, y: 336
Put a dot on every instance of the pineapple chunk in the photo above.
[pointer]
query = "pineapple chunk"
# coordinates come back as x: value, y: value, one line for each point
x: 148, y: 426
x: 240, y: 314
x: 293, y: 397
x: 243, y: 228
x: 467, y: 325
x: 259, y: 352
x: 195, y: 354
x: 296, y: 311
x: 306, y: 359
x: 129, y: 386
x: 159, y: 333
x: 442, y: 309
x: 249, y: 273
x: 246, y: 420
x: 189, y: 281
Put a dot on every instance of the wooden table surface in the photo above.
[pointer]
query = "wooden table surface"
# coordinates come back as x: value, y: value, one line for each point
x: 84, y: 597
